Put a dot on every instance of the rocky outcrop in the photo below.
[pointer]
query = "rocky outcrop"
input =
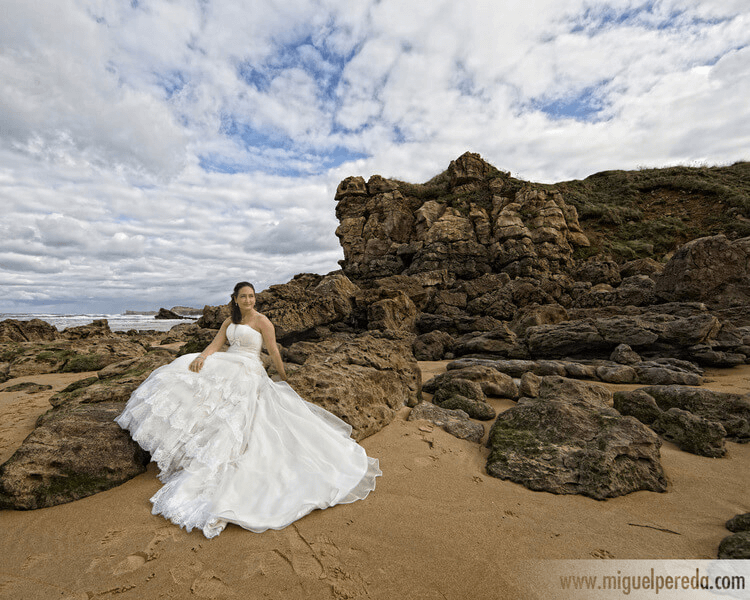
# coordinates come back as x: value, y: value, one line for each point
x: 491, y: 381
x: 697, y: 420
x: 72, y: 355
x: 76, y: 448
x: 566, y: 442
x: 71, y: 454
x: 34, y: 330
x: 486, y: 225
x: 462, y: 394
x: 165, y: 313
x: 362, y: 379
x: 739, y: 523
x: 653, y: 372
x: 735, y: 546
x: 713, y: 269
x: 307, y: 302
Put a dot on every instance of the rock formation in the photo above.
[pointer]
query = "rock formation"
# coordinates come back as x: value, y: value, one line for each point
x: 535, y: 292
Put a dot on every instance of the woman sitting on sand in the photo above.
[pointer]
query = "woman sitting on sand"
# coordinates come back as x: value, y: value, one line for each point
x: 233, y: 446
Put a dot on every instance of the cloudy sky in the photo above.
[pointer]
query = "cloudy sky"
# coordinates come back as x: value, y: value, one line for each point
x: 154, y: 152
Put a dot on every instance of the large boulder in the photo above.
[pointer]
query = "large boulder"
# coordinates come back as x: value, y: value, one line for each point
x: 307, y: 301
x: 491, y: 381
x: 76, y: 355
x: 34, y: 330
x: 691, y: 433
x: 568, y: 446
x: 732, y: 411
x: 76, y: 448
x: 363, y: 379
x: 712, y: 269
x: 74, y: 453
x: 600, y: 336
x: 455, y: 393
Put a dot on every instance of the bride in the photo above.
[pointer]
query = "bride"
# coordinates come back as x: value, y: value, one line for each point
x: 232, y: 445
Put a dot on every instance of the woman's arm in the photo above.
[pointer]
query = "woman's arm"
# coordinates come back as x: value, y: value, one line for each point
x: 216, y: 344
x: 269, y: 338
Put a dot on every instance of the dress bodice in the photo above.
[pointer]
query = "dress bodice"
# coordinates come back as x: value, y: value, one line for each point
x: 244, y: 339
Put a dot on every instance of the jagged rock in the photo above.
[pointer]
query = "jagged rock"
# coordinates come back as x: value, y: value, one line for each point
x: 586, y: 337
x: 76, y: 448
x: 113, y: 383
x: 97, y: 328
x: 641, y: 266
x: 576, y: 370
x: 710, y: 269
x: 529, y: 386
x: 550, y: 367
x: 387, y: 228
x: 87, y: 353
x: 307, y: 301
x: 393, y: 311
x: 624, y: 355
x: 512, y: 367
x: 491, y: 381
x: 565, y: 339
x: 739, y: 523
x: 467, y: 168
x: 27, y: 386
x: 617, y: 374
x: 638, y: 404
x: 554, y: 386
x: 535, y: 314
x: 735, y: 546
x: 214, y: 316
x: 691, y: 433
x: 569, y: 446
x: 455, y: 393
x: 731, y: 410
x: 180, y: 333
x: 165, y: 313
x: 432, y: 345
x: 198, y: 341
x: 34, y: 330
x: 363, y: 379
x: 650, y: 373
x: 707, y: 356
x: 598, y: 270
x: 500, y: 342
x: 73, y: 453
x: 455, y: 422
x: 475, y: 409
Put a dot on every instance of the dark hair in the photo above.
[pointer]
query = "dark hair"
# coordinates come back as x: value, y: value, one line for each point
x: 236, y: 314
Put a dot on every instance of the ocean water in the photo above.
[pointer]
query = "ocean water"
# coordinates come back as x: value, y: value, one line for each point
x: 116, y: 322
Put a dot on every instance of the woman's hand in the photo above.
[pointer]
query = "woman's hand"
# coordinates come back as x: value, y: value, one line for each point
x: 197, y: 364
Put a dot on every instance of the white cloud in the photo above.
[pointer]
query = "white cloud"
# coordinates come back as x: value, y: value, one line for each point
x: 163, y: 151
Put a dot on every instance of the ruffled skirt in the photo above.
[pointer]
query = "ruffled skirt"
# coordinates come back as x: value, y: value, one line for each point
x: 233, y: 446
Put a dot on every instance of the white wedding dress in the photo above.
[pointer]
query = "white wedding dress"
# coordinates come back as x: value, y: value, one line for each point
x: 233, y: 446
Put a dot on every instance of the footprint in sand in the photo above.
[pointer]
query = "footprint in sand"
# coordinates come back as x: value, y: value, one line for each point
x: 33, y: 560
x: 131, y: 563
x: 163, y: 534
x: 186, y: 572
x: 208, y: 585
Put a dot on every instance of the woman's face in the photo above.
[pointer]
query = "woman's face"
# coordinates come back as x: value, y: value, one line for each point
x: 245, y: 298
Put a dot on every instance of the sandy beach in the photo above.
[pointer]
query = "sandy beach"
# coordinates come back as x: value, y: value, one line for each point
x: 436, y: 527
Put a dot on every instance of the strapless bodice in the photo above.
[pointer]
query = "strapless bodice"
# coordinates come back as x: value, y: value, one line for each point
x: 244, y: 339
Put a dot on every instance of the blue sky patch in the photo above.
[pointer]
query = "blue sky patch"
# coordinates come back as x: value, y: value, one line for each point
x: 585, y: 105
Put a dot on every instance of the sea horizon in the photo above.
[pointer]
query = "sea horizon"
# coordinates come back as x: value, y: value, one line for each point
x: 126, y: 321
